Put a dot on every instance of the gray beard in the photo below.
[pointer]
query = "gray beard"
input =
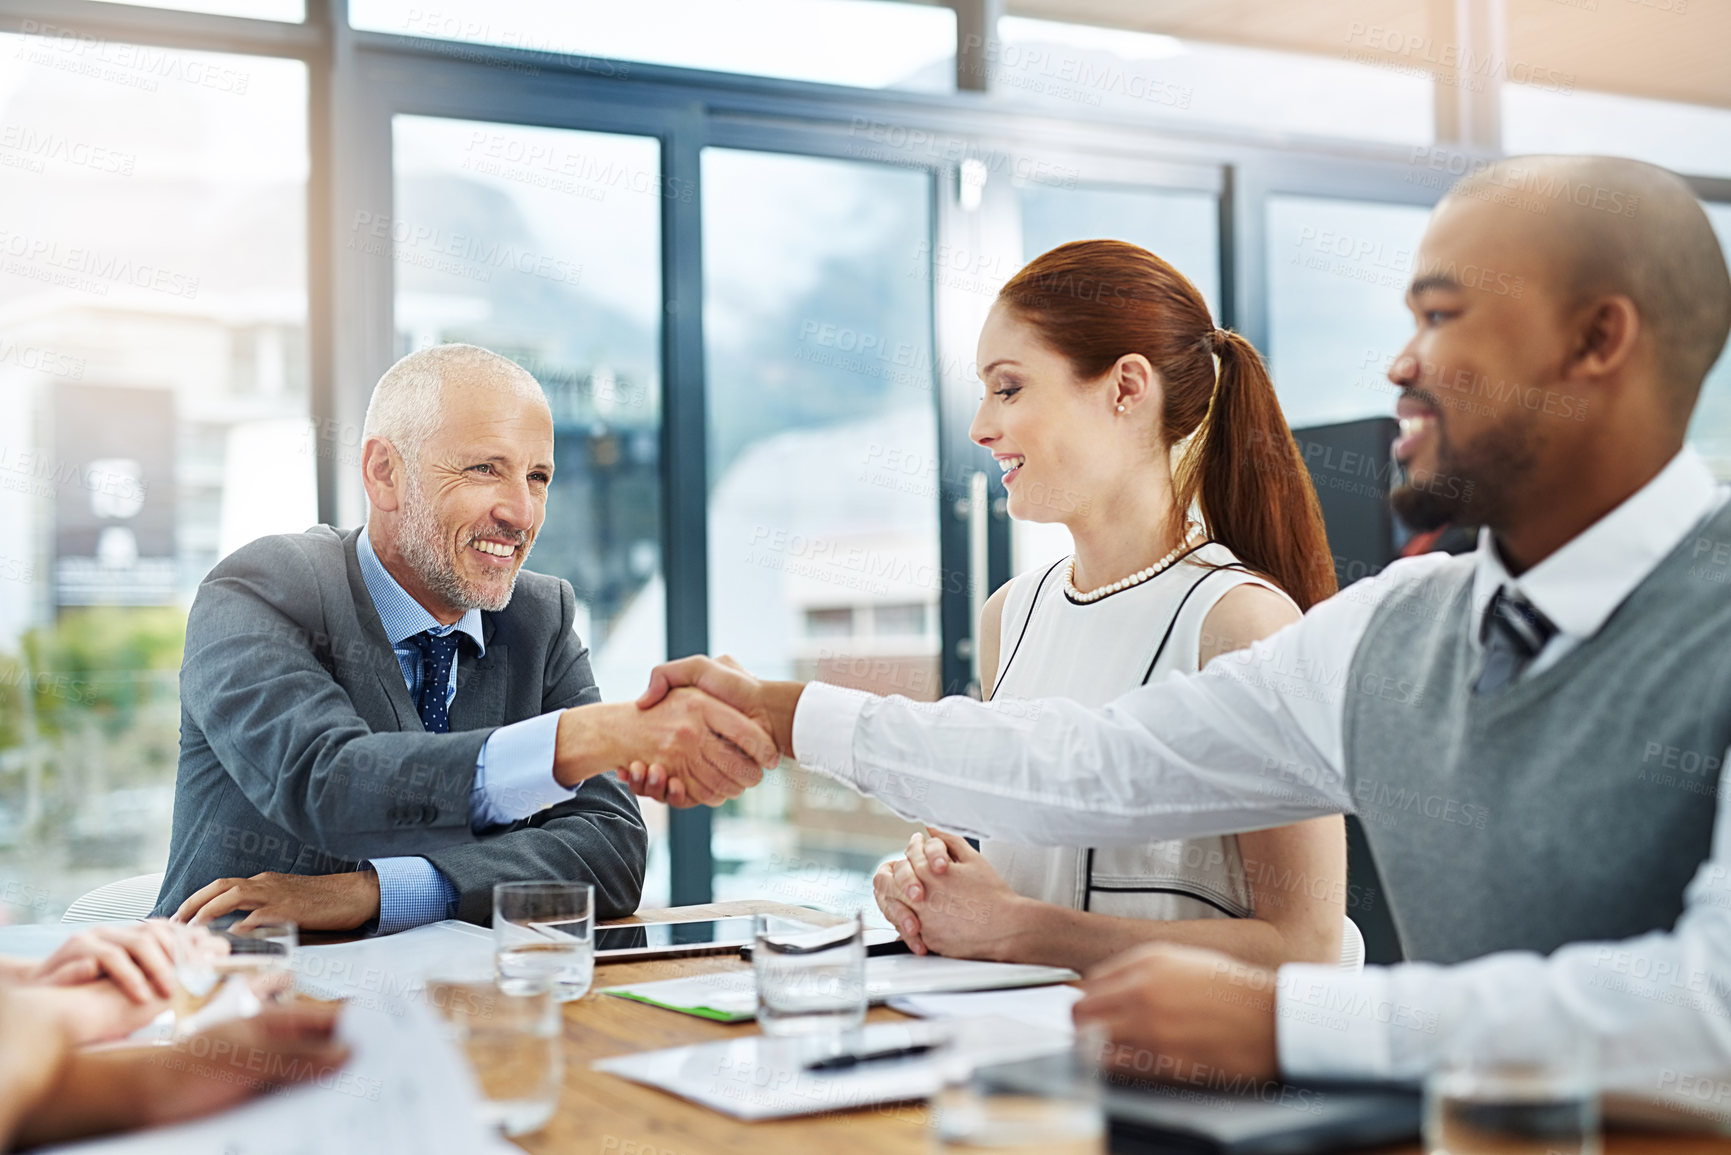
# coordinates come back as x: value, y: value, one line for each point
x: 423, y: 548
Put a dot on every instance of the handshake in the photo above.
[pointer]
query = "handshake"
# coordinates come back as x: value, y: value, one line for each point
x: 703, y: 732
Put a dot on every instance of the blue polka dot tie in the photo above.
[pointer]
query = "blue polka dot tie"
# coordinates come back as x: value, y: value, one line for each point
x: 437, y: 654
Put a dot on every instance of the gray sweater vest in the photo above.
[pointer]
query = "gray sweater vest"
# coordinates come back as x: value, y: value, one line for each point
x: 1574, y: 804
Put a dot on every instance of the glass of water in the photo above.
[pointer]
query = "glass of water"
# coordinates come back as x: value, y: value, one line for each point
x: 544, y: 933
x: 1514, y: 1081
x: 810, y: 980
x: 243, y: 968
x: 511, y: 1042
x: 1051, y: 1105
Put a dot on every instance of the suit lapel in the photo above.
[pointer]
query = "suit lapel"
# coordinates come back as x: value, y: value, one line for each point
x: 481, y: 689
x: 397, y: 693
x: 480, y: 700
x: 374, y: 641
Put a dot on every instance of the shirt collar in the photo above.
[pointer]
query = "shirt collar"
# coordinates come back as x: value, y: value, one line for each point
x: 402, y: 616
x: 1581, y: 585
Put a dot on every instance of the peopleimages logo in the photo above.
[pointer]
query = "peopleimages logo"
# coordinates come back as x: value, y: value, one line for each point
x: 95, y: 477
x: 461, y: 254
x: 497, y: 152
x: 1458, y: 64
x: 56, y: 146
x: 41, y: 360
x: 841, y: 563
x: 1043, y: 68
x: 89, y: 269
x: 136, y: 65
x: 892, y: 143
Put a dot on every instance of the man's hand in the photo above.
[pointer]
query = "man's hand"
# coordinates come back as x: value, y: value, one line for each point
x: 311, y: 901
x: 125, y: 1088
x: 704, y: 750
x: 1170, y: 1009
x: 770, y: 705
x: 945, y: 897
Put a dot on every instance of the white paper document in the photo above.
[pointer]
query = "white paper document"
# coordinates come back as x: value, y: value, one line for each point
x: 1045, y: 1008
x: 757, y: 1077
x: 731, y: 996
x: 395, y: 966
x: 404, y: 1091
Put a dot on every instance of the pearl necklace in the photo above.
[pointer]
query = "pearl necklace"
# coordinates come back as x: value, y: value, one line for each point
x: 1135, y: 579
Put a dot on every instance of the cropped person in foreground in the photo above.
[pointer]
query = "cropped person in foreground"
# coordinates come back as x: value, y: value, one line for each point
x: 51, y: 1092
x: 107, y: 981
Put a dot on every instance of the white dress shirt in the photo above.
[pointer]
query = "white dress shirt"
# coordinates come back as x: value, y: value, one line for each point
x: 1256, y: 740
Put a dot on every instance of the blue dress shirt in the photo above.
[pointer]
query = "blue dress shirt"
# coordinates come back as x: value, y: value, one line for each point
x: 513, y: 774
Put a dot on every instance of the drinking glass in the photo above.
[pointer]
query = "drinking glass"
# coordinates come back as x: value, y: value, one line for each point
x: 511, y: 1043
x: 1050, y: 1105
x: 809, y: 980
x: 247, y: 967
x: 544, y: 932
x: 1514, y: 1081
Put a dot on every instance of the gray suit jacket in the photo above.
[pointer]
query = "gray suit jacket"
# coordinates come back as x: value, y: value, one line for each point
x: 301, y: 751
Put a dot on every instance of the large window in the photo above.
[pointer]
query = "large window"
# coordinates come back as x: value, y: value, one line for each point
x: 823, y: 465
x: 1337, y: 277
x: 153, y: 417
x: 1686, y: 138
x: 544, y: 245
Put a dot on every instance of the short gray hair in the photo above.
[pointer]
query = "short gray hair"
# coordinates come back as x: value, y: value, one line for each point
x: 406, y: 407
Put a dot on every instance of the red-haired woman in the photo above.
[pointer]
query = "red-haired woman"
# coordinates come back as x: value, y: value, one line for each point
x: 1101, y: 366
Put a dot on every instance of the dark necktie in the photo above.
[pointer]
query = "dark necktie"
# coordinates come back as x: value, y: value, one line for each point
x: 437, y: 654
x: 1514, y: 632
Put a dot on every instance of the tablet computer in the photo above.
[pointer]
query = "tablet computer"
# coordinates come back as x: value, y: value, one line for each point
x: 649, y: 940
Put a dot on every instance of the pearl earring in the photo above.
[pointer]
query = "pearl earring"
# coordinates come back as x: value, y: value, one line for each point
x: 1120, y: 409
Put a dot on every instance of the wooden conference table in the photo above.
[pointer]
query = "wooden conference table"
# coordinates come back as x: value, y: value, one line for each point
x: 601, y: 1114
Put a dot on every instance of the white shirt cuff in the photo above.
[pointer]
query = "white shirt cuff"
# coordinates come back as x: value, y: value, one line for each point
x: 1332, y: 1023
x: 823, y: 726
x: 514, y: 773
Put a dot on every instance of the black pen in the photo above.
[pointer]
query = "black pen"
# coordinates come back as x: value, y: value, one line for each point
x: 844, y: 1062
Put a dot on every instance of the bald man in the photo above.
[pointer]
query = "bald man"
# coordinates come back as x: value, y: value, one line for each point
x: 380, y: 724
x: 1533, y: 734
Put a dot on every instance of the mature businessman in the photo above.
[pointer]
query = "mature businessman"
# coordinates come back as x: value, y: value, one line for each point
x: 378, y: 725
x: 1535, y: 734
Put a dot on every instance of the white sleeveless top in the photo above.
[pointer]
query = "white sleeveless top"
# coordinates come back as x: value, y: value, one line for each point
x: 1052, y: 647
